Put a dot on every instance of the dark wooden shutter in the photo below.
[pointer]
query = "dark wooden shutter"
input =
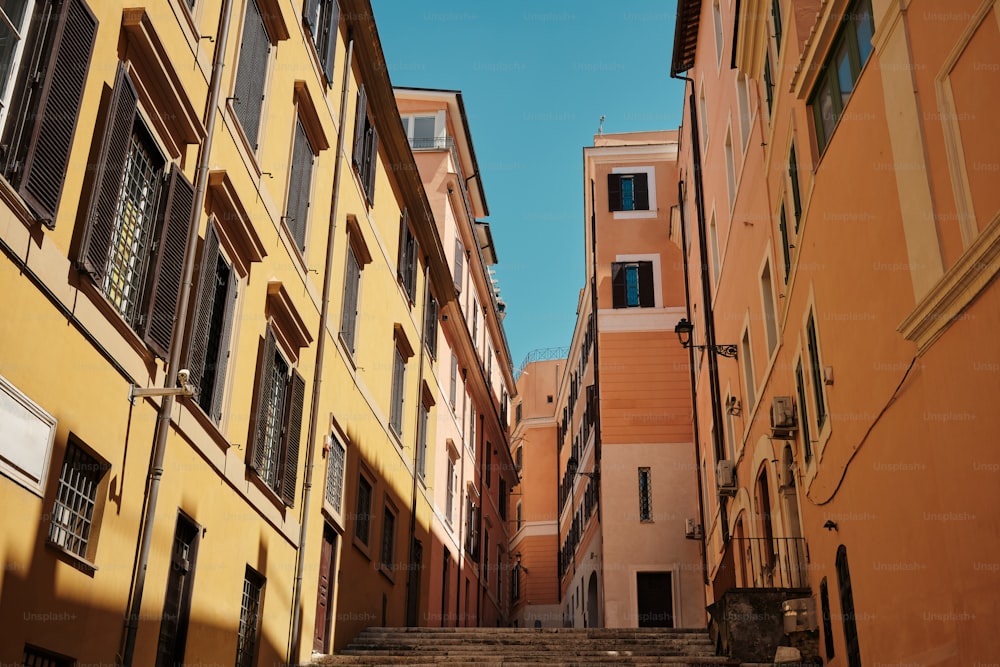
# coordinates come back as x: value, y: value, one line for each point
x: 640, y: 192
x: 430, y: 325
x: 265, y: 382
x: 647, y: 291
x: 332, y: 30
x: 222, y: 362
x: 169, y: 262
x: 359, y: 129
x: 251, y: 72
x: 55, y: 116
x: 300, y: 181
x: 293, y: 435
x: 372, y: 161
x: 459, y: 259
x: 310, y: 16
x: 614, y: 192
x: 618, y: 298
x: 350, y: 312
x: 197, y: 360
x: 401, y: 252
x: 110, y: 167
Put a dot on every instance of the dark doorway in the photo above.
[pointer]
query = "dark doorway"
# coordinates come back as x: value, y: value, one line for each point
x: 656, y: 599
x: 324, y: 594
x: 413, y: 584
x: 177, y: 600
x: 593, y: 614
x: 445, y: 576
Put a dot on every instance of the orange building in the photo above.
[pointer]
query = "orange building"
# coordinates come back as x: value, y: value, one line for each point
x: 840, y: 218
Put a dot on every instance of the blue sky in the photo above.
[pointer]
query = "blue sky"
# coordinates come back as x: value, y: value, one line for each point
x: 536, y: 77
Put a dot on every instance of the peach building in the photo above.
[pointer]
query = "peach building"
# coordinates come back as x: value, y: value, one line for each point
x: 840, y: 226
x: 625, y: 447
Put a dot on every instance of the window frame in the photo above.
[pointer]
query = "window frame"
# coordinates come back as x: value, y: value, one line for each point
x: 365, y: 155
x: 645, y: 493
x: 645, y: 272
x: 90, y: 529
x: 387, y: 545
x: 749, y: 372
x: 298, y: 199
x: 256, y: 583
x: 323, y: 17
x: 335, y: 480
x: 254, y: 52
x: 363, y: 512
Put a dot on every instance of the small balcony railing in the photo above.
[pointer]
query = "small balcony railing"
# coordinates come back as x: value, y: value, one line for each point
x: 779, y: 562
x: 431, y: 143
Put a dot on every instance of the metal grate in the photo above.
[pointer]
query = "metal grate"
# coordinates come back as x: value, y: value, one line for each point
x: 362, y: 524
x: 76, y: 496
x: 645, y: 499
x: 275, y: 410
x: 129, y: 251
x: 36, y: 657
x: 253, y: 588
x: 335, y: 473
x: 388, y: 538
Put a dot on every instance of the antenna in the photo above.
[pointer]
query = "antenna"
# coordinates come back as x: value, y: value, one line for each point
x: 600, y: 128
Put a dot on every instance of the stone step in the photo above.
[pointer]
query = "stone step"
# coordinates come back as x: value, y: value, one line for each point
x: 521, y: 661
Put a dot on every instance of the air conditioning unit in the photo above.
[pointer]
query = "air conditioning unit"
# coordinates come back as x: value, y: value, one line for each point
x: 725, y: 477
x: 784, y: 423
x: 692, y: 529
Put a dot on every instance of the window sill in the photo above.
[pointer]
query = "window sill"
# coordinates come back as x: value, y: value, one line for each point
x: 77, y: 561
x: 388, y: 571
x: 347, y: 352
x: 634, y: 215
x: 268, y: 492
x: 20, y: 208
x: 361, y: 546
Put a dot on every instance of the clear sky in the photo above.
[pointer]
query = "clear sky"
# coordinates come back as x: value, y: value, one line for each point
x: 536, y: 77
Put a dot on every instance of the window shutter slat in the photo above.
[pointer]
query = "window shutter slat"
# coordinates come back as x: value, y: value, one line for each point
x: 359, y: 128
x: 222, y: 363
x: 372, y: 162
x: 640, y: 193
x: 110, y: 167
x: 207, y: 276
x: 300, y: 181
x: 51, y: 139
x: 401, y: 253
x: 264, y: 391
x: 310, y: 17
x: 333, y: 29
x: 430, y: 326
x: 459, y: 267
x: 350, y: 312
x: 293, y: 434
x: 614, y: 192
x: 166, y: 286
x: 647, y: 291
x: 618, y: 299
x: 251, y: 72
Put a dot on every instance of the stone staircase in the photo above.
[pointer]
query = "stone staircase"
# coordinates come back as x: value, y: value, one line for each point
x: 520, y: 647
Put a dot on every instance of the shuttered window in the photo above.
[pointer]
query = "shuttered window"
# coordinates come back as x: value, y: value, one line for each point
x: 251, y: 73
x: 430, y: 325
x: 299, y: 186
x: 388, y: 555
x: 365, y: 146
x: 422, y: 417
x: 786, y: 252
x: 816, y: 368
x: 628, y: 192
x: 407, y: 259
x: 43, y: 69
x: 136, y: 231
x: 208, y: 350
x: 847, y: 612
x: 449, y: 507
x: 793, y: 179
x: 322, y: 20
x: 453, y: 387
x: 349, y: 314
x: 278, y: 421
x: 459, y: 265
x: 632, y: 285
x: 398, y: 382
x: 363, y: 508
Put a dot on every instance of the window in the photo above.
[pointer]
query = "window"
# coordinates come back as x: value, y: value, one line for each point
x: 764, y: 519
x: 743, y: 103
x: 785, y: 245
x: 847, y: 608
x: 406, y: 264
x: 77, y: 501
x: 489, y: 462
x: 816, y: 368
x: 518, y: 517
x: 422, y: 418
x: 517, y: 414
x: 793, y: 178
x: 768, y: 82
x: 499, y: 571
x: 472, y: 528
x: 472, y: 428
x: 475, y: 324
x: 776, y: 18
x: 486, y: 557
x: 645, y: 496
x: 251, y: 74
x: 770, y: 319
x: 36, y: 657
x: 717, y: 21
x: 352, y: 288
x: 136, y: 235
x: 365, y: 146
x: 363, y: 508
x: 208, y: 350
x: 177, y: 599
x: 515, y: 583
x: 47, y: 45
x: 459, y: 268
x: 840, y: 71
x: 449, y: 507
x: 632, y: 285
x: 278, y: 425
x: 730, y: 168
x: 398, y: 385
x: 746, y: 354
x: 421, y: 131
x: 713, y: 232
x: 299, y: 186
x: 628, y: 192
x: 430, y: 325
x: 453, y: 387
x: 803, y: 413
x: 703, y: 107
x: 519, y: 457
x: 336, y: 459
x: 322, y: 19
x: 824, y: 603
x: 388, y: 556
x: 26, y: 436
x: 246, y: 640
x: 730, y: 431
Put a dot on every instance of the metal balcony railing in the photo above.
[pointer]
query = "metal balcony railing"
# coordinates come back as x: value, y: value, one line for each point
x: 431, y: 143
x: 778, y: 562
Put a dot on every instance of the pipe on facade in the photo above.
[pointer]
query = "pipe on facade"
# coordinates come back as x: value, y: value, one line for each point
x: 180, y: 325
x: 597, y: 374
x: 294, y: 629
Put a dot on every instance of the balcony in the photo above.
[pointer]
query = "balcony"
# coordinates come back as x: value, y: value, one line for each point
x: 759, y: 562
x: 433, y: 144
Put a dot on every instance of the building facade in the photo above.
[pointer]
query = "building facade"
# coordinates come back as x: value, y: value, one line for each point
x: 223, y: 187
x: 834, y: 165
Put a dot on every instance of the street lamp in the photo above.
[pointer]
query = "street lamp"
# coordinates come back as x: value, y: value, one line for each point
x: 572, y: 467
x: 683, y: 331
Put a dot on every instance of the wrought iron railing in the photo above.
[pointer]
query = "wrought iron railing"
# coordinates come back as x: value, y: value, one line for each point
x: 779, y: 562
x: 544, y: 354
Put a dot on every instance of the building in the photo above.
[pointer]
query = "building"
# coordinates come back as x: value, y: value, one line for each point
x: 534, y: 544
x: 626, y: 450
x: 247, y: 209
x: 840, y: 227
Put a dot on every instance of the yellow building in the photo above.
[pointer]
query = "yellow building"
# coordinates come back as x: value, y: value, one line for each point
x: 223, y: 188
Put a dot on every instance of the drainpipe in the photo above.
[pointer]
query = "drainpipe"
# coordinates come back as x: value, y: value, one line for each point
x: 597, y: 374
x: 294, y: 629
x: 482, y: 519
x: 174, y: 361
x: 706, y: 291
x: 412, y: 571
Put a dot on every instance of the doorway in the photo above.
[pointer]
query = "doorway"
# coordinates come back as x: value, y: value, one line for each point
x: 324, y: 595
x: 656, y: 599
x: 593, y: 619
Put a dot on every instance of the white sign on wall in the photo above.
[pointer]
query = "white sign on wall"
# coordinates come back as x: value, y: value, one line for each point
x: 26, y: 435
